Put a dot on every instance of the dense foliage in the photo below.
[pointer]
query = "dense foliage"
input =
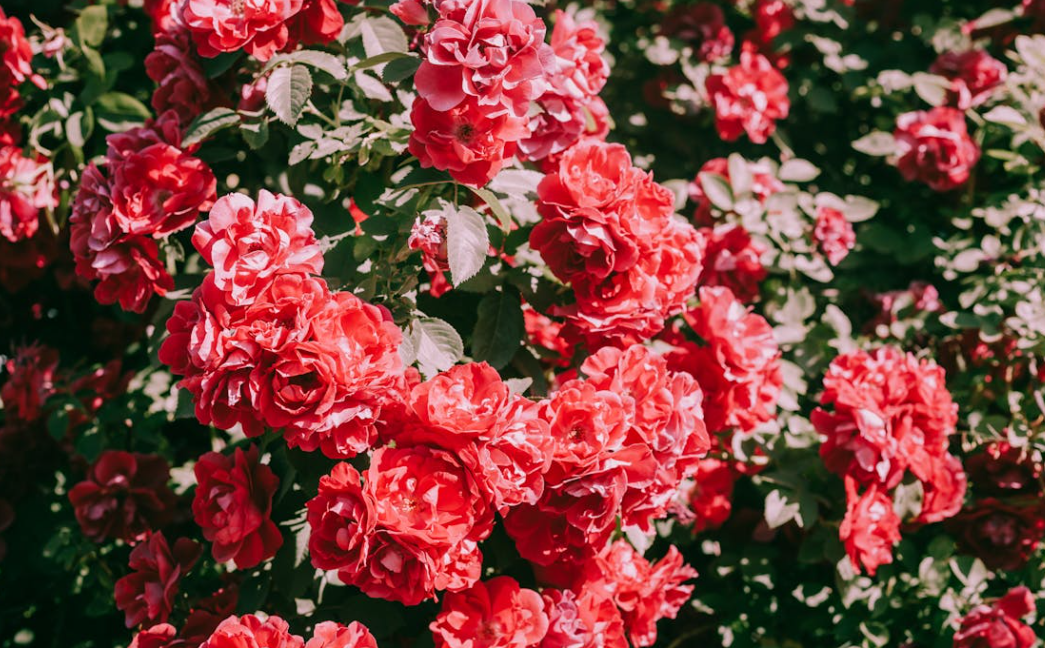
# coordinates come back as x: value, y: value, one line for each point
x: 497, y: 324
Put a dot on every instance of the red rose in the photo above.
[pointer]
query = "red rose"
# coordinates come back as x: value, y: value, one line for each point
x: 833, y: 234
x: 247, y: 242
x: 934, y: 147
x: 749, y: 97
x: 249, y: 630
x: 147, y: 594
x: 1003, y: 536
x: 702, y: 25
x: 870, y: 527
x: 1003, y: 469
x: 329, y: 634
x: 30, y: 381
x: 734, y: 260
x: 491, y: 614
x: 998, y: 625
x: 181, y: 84
x: 340, y: 519
x: 26, y: 187
x: 233, y: 505
x: 712, y: 495
x: 124, y: 496
x: 974, y: 75
x: 737, y: 368
x: 470, y: 141
x: 16, y: 54
x: 429, y: 236
x: 258, y: 26
x: 587, y: 425
x: 466, y: 402
x: 319, y: 22
x: 161, y: 635
x: 944, y: 489
x: 491, y: 50
x: 207, y: 614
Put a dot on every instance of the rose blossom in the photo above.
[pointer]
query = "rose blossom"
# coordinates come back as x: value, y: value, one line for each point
x: 491, y: 614
x: 750, y: 97
x: 125, y: 495
x: 702, y: 25
x: 734, y: 260
x: 30, y: 381
x: 1003, y: 469
x: 319, y: 22
x: 1003, y: 536
x: 247, y: 242
x: 16, y: 54
x: 833, y: 234
x: 26, y: 187
x: 711, y: 497
x: 233, y: 505
x: 257, y: 26
x: 181, y: 84
x: 161, y: 635
x: 934, y: 147
x: 998, y: 625
x: 146, y: 595
x: 491, y: 50
x: 249, y: 630
x: 468, y: 140
x: 974, y: 75
x: 329, y: 634
x: 870, y: 527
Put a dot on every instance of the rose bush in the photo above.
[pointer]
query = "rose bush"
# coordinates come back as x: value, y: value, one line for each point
x: 508, y: 324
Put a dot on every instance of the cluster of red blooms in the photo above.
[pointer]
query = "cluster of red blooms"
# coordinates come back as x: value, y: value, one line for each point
x: 999, y: 625
x: 609, y: 230
x: 560, y: 472
x: 485, y: 63
x: 260, y: 27
x: 150, y: 188
x: 891, y: 414
x: 250, y: 630
x: 263, y: 342
x: 749, y: 97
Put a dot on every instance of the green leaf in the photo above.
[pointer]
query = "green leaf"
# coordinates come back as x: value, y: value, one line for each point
x: 323, y: 61
x: 740, y: 177
x: 798, y: 171
x: 220, y: 64
x: 467, y: 242
x: 779, y: 510
x: 255, y: 134
x: 499, y: 328
x: 717, y: 189
x: 117, y: 111
x: 382, y: 59
x: 382, y: 34
x: 877, y: 143
x: 504, y: 219
x: 400, y: 69
x: 289, y: 89
x: 92, y: 24
x: 437, y: 344
x: 209, y: 123
x: 931, y: 88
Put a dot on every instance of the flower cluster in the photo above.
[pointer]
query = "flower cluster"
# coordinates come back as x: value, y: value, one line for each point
x: 149, y: 189
x: 260, y: 27
x: 999, y: 625
x: 934, y: 147
x: 749, y: 97
x: 608, y: 230
x: 16, y: 68
x: 26, y: 187
x: 263, y: 342
x: 891, y: 414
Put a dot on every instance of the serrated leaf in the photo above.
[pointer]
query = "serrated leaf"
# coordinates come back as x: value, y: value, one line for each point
x: 382, y: 59
x: 437, y: 343
x: 323, y: 61
x: 467, y: 242
x: 798, y: 171
x: 371, y: 87
x: 504, y: 219
x: 209, y: 123
x: 717, y: 189
x: 382, y: 34
x: 877, y: 143
x: 516, y: 182
x: 499, y: 328
x: 289, y: 89
x: 400, y: 69
x: 117, y: 111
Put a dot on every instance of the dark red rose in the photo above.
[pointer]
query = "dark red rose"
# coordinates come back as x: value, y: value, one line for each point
x: 146, y: 595
x: 125, y: 495
x: 998, y: 625
x: 1001, y: 535
x: 1002, y: 469
x: 934, y: 147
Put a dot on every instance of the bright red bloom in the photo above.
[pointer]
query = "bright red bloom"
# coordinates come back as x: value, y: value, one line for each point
x: 870, y: 528
x: 429, y: 236
x: 738, y: 367
x: 468, y: 140
x: 30, y: 382
x: 644, y: 592
x: 711, y: 498
x: 26, y: 187
x: 161, y: 635
x: 934, y: 147
x: 146, y: 595
x: 944, y: 489
x: 491, y: 614
x: 340, y: 519
x: 545, y: 335
x: 124, y: 496
x: 974, y: 75
x: 247, y: 242
x: 491, y: 50
x: 750, y: 97
x: 16, y: 54
x: 233, y: 506
x: 891, y: 412
x: 257, y: 26
x: 329, y: 634
x: 587, y: 424
x: 464, y: 403
x: 250, y: 631
x: 1003, y: 536
x: 734, y: 260
x: 702, y: 25
x: 833, y: 234
x: 319, y: 22
x: 181, y: 84
x: 999, y: 625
